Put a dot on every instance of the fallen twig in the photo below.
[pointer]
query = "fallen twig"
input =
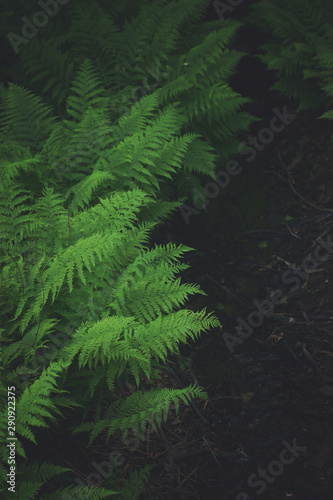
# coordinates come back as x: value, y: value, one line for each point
x: 186, y: 478
x: 218, y: 463
x: 227, y: 291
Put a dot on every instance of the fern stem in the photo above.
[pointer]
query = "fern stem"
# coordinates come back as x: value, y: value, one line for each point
x: 10, y: 255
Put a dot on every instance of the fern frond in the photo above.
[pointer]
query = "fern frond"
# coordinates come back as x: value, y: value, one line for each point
x: 35, y: 403
x: 104, y: 340
x: 299, y: 31
x: 33, y: 476
x: 74, y: 492
x: 25, y: 117
x: 86, y: 92
x: 51, y: 71
x: 137, y: 409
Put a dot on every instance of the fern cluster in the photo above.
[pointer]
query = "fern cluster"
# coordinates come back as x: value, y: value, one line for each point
x: 110, y: 58
x: 88, y: 303
x: 300, y: 48
x: 91, y: 271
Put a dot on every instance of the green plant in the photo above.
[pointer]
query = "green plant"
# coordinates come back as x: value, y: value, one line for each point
x: 76, y: 260
x: 88, y: 169
x: 133, y: 487
x: 89, y: 265
x: 110, y: 53
x: 122, y: 297
x: 300, y: 48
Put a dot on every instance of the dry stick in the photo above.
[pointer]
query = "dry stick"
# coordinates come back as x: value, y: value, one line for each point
x: 264, y: 231
x: 326, y: 330
x: 287, y: 169
x: 218, y: 463
x: 189, y: 475
x: 292, y: 352
x: 227, y: 291
x: 194, y: 492
x: 308, y: 355
x: 293, y: 234
x: 306, y: 201
x: 80, y: 474
x: 162, y: 437
x: 177, y: 446
x: 160, y: 485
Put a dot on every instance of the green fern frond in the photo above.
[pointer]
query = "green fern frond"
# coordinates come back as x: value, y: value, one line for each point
x: 300, y: 30
x: 84, y: 189
x: 33, y: 476
x: 50, y: 69
x: 25, y: 117
x: 86, y: 92
x: 75, y: 492
x: 103, y: 341
x: 35, y: 403
x: 137, y: 409
x: 328, y: 114
x: 177, y: 327
x: 94, y: 35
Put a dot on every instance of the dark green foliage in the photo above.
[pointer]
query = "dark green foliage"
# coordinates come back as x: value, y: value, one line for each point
x: 25, y: 118
x: 120, y: 298
x: 99, y: 121
x: 111, y: 56
x: 300, y: 49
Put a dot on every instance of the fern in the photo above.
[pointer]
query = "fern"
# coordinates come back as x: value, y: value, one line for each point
x: 87, y: 167
x: 25, y: 117
x: 134, y: 486
x: 122, y: 321
x: 109, y: 61
x: 86, y: 92
x: 32, y: 408
x: 51, y: 71
x: 91, y: 492
x: 136, y: 409
x: 35, y: 403
x: 33, y: 477
x: 301, y: 32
